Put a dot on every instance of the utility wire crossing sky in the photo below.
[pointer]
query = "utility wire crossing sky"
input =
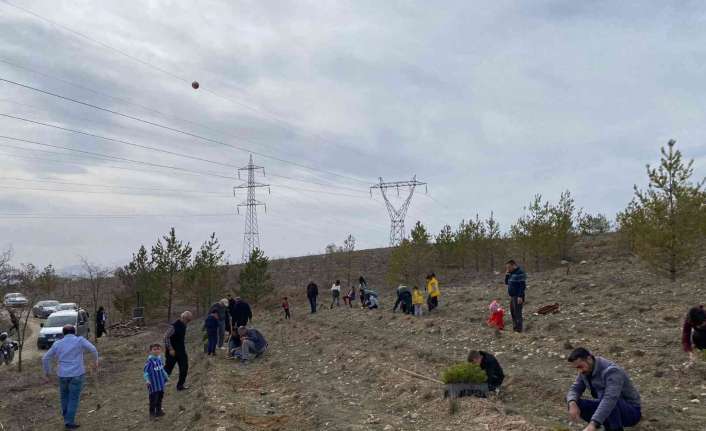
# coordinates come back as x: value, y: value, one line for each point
x: 105, y: 145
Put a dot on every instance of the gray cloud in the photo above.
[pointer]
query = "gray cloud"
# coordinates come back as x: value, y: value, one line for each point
x: 491, y: 103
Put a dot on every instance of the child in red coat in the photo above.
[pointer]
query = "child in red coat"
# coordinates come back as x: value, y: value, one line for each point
x: 497, y: 316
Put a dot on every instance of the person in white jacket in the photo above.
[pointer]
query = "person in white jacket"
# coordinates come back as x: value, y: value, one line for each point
x: 336, y: 294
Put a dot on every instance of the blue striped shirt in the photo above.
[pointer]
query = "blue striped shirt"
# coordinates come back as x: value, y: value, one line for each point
x: 154, y: 373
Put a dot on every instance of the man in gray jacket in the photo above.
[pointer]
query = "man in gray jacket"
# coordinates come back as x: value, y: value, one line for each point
x: 616, y: 402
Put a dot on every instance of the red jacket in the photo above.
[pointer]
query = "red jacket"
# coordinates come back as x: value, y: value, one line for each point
x: 497, y: 319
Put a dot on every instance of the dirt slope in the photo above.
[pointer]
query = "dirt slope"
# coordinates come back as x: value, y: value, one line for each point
x: 336, y: 370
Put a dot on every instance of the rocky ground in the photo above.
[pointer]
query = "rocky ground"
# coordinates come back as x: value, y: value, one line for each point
x: 338, y: 369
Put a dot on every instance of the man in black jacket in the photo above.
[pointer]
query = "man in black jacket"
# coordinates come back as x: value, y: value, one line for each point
x: 516, y: 281
x: 312, y: 291
x: 490, y: 365
x: 175, y: 346
x: 241, y: 314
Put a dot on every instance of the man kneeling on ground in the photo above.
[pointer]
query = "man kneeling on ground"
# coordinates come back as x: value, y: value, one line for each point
x: 249, y: 342
x: 490, y: 365
x: 617, y: 402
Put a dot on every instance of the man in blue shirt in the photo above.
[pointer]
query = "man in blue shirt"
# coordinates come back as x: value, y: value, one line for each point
x: 69, y: 355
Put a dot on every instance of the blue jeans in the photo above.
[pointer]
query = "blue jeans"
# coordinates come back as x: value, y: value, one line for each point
x: 212, y: 342
x: 623, y: 415
x: 221, y: 332
x: 70, y: 391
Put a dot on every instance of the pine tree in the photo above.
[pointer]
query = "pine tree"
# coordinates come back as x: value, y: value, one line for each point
x: 666, y: 224
x: 410, y: 259
x: 254, y: 279
x: 207, y: 271
x: 563, y: 226
x: 533, y: 231
x: 493, y: 239
x: 592, y: 225
x: 170, y: 259
x: 141, y: 285
x: 444, y: 245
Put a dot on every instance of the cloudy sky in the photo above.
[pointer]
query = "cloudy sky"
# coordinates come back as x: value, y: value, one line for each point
x: 489, y: 102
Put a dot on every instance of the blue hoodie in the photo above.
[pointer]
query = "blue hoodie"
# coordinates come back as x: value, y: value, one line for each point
x: 211, y: 325
x: 516, y: 282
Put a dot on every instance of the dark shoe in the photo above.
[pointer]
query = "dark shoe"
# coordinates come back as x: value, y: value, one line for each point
x: 71, y: 426
x: 183, y: 388
x: 160, y: 413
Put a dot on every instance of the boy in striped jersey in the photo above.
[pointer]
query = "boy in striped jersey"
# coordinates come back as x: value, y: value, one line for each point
x: 156, y: 378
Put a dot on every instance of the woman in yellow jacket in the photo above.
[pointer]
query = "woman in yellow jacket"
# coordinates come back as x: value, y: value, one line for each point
x: 433, y: 291
x: 417, y: 301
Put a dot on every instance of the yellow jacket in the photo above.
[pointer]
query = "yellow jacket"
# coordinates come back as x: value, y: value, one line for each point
x: 417, y: 297
x: 433, y: 288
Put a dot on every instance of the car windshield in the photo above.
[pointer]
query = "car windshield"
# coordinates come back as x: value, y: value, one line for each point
x: 14, y: 295
x: 66, y: 306
x: 48, y: 303
x: 58, y: 321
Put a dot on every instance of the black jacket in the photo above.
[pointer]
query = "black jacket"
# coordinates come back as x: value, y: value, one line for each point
x: 312, y: 290
x: 241, y: 314
x: 492, y: 369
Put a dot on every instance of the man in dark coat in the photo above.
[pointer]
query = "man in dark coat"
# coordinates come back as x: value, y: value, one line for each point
x: 175, y: 346
x: 312, y: 291
x: 221, y: 309
x: 241, y: 314
x: 516, y: 281
x: 404, y: 297
x: 490, y: 365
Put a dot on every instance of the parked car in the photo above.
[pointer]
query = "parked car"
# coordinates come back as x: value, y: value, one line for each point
x: 15, y: 300
x: 43, y: 309
x: 67, y: 306
x: 51, y: 329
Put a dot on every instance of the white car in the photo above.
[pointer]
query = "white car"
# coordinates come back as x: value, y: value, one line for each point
x: 67, y: 306
x: 52, y: 328
x: 15, y: 300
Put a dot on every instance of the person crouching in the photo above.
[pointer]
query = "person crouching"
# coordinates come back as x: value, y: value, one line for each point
x: 252, y: 342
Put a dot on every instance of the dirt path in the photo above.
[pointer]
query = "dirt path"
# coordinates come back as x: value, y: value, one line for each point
x: 30, y: 351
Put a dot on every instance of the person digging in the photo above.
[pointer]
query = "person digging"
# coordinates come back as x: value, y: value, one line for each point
x: 488, y: 363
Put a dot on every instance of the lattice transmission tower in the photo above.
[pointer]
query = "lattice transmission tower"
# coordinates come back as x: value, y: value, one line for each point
x: 397, y: 215
x: 251, y: 234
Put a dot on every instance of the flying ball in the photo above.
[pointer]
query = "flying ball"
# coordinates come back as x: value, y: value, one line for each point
x: 195, y: 85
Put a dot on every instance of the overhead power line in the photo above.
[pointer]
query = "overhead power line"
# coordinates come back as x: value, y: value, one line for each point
x: 179, y: 131
x: 118, y: 98
x: 282, y: 121
x: 90, y: 216
x: 172, y: 191
x: 161, y: 150
x: 298, y: 189
x: 125, y: 159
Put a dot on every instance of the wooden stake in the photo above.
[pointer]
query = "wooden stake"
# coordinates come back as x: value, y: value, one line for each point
x: 420, y: 376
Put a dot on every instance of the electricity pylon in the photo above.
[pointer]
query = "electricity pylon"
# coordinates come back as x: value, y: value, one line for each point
x: 251, y: 234
x: 397, y: 215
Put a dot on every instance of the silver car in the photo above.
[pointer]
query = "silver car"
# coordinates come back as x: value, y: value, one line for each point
x: 43, y: 309
x: 15, y: 300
